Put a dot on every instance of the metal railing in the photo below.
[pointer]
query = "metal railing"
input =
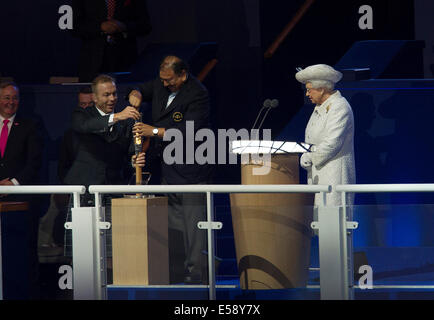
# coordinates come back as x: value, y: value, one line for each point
x: 333, y: 223
x: 74, y: 190
x: 210, y: 225
x: 346, y: 223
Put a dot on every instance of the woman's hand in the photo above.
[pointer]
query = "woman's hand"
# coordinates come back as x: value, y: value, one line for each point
x: 306, y: 161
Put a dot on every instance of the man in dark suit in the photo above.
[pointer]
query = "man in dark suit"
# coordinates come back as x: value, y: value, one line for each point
x: 104, y: 138
x: 21, y: 156
x: 51, y: 229
x: 178, y: 97
x: 68, y: 146
x: 108, y: 30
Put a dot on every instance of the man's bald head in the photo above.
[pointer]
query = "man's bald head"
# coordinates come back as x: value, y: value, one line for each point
x: 173, y: 73
x: 174, y: 63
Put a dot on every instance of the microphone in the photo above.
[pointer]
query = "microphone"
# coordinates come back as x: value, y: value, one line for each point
x: 273, y: 104
x: 266, y: 104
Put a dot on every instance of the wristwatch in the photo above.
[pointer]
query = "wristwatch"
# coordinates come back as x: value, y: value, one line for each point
x: 155, y: 132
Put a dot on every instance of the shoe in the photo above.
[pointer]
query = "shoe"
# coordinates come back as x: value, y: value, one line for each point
x: 192, y: 275
x: 50, y: 250
x: 193, y: 278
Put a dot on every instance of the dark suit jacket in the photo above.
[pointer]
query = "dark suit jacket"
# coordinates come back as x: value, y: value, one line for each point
x: 23, y: 155
x: 88, y: 16
x: 22, y: 160
x: 67, y: 152
x: 190, y: 104
x: 102, y: 154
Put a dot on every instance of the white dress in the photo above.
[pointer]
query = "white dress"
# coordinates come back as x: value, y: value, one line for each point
x: 331, y: 130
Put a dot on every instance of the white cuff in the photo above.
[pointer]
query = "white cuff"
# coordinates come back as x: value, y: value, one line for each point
x: 306, y: 161
x: 111, y: 118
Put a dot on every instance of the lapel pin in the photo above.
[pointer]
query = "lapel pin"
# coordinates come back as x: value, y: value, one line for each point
x: 177, y: 116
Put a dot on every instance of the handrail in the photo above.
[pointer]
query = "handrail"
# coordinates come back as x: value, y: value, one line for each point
x: 42, y: 189
x: 363, y: 188
x: 208, y: 189
x: 36, y: 189
x: 273, y: 188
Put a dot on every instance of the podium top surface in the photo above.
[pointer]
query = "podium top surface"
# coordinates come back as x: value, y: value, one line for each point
x: 272, y: 147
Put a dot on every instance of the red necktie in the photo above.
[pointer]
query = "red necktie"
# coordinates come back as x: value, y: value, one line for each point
x: 111, y: 5
x: 4, y: 137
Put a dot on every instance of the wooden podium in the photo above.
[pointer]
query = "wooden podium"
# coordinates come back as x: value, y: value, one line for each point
x: 272, y: 231
x: 140, y: 241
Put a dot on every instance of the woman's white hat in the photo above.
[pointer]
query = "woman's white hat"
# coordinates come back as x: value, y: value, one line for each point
x: 318, y: 72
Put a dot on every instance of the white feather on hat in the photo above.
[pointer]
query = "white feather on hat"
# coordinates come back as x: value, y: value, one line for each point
x: 318, y: 72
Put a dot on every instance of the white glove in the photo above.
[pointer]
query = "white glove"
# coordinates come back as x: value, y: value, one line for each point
x: 306, y: 161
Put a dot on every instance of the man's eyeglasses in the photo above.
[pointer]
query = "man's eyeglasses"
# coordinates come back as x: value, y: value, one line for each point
x: 9, y: 99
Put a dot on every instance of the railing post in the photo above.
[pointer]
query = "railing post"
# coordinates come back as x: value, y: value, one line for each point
x: 210, y: 225
x: 85, y: 270
x: 348, y: 215
x: 100, y: 247
x: 76, y: 200
x: 211, y: 251
x: 332, y: 256
x: 336, y: 250
x: 88, y: 248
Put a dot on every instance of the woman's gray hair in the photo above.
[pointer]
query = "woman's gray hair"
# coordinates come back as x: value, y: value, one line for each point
x: 317, y: 84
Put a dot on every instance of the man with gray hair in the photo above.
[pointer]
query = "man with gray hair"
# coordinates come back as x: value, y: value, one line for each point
x: 21, y: 148
x: 331, y: 132
x: 177, y: 98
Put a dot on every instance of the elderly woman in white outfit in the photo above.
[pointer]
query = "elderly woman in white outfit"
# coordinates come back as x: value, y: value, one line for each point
x: 331, y: 132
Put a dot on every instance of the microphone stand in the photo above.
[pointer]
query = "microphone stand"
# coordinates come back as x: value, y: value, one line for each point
x: 268, y: 104
x: 273, y: 104
x: 257, y: 118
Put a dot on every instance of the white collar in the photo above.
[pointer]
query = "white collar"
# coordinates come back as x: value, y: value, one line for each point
x: 11, y: 119
x: 323, y: 108
x: 103, y: 113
